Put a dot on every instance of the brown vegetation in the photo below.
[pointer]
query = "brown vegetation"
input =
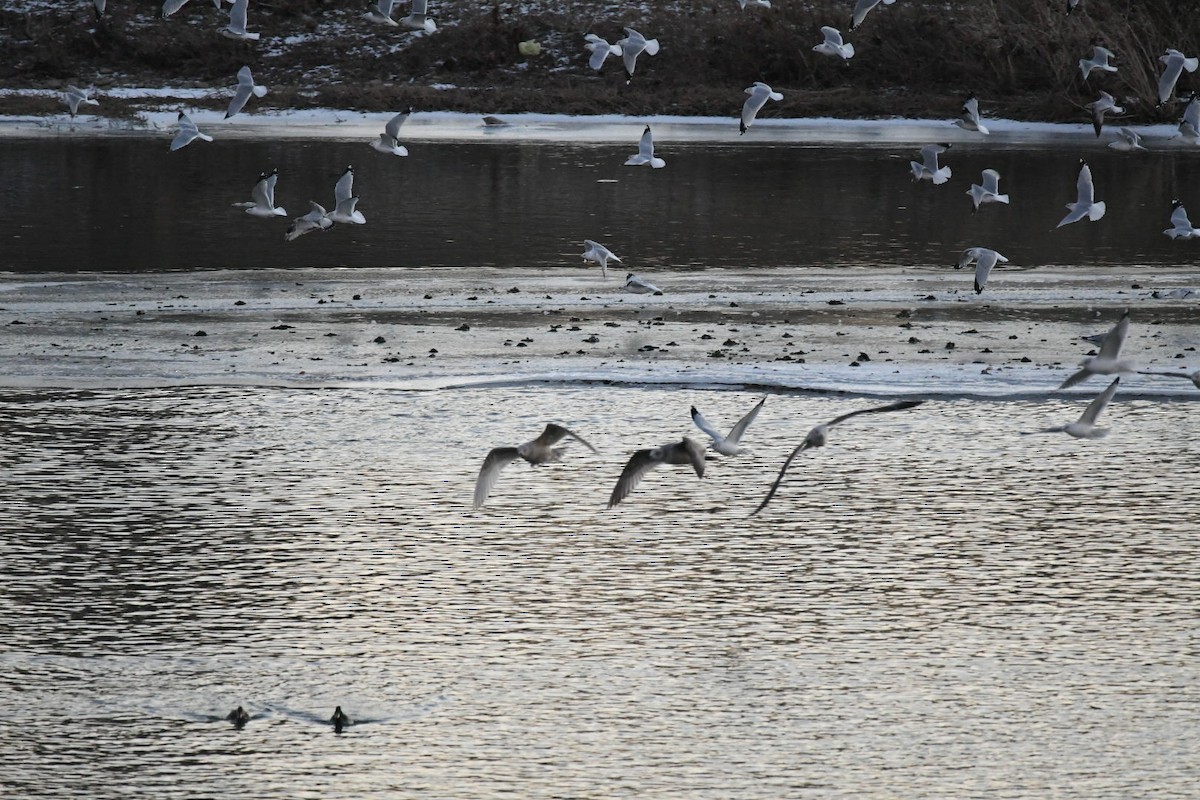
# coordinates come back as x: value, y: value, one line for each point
x: 913, y: 58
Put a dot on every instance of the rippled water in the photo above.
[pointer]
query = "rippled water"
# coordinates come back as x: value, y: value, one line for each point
x: 934, y: 605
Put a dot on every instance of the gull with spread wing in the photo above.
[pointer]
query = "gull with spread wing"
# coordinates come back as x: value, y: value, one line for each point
x: 818, y: 435
x: 988, y: 191
x: 594, y: 251
x: 1181, y: 226
x: 1107, y: 361
x: 984, y: 259
x: 927, y: 168
x: 188, y: 133
x: 262, y: 203
x: 862, y: 8
x: 968, y: 118
x: 645, y: 153
x: 389, y: 141
x: 237, y: 23
x: 1085, y: 204
x: 241, y: 93
x: 759, y: 93
x: 317, y: 219
x: 632, y: 46
x: 1174, y: 63
x: 344, y: 201
x: 687, y: 451
x: 1085, y: 427
x: 538, y: 451
x: 74, y: 97
x: 834, y: 46
x: 727, y: 445
x: 600, y: 49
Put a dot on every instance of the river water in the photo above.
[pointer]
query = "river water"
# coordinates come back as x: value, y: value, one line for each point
x: 941, y: 602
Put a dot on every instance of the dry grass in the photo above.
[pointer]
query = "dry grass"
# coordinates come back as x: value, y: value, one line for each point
x: 913, y: 58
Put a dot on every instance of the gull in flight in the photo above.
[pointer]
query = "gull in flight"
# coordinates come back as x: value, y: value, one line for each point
x: 594, y: 251
x: 316, y: 219
x: 237, y: 23
x: 984, y: 260
x: 1194, y: 377
x: 969, y: 118
x: 1181, y: 226
x: 418, y: 18
x: 600, y: 49
x: 1189, y: 124
x: 759, y: 93
x: 862, y: 8
x: 645, y: 153
x: 684, y: 452
x: 988, y: 192
x: 171, y: 6
x: 1085, y: 427
x: 833, y: 45
x: 188, y: 133
x: 1085, y: 204
x: 727, y: 445
x: 1106, y: 362
x: 632, y: 46
x: 638, y: 286
x: 1128, y: 140
x: 817, y: 436
x: 74, y: 97
x: 241, y: 93
x: 344, y: 201
x: 1099, y: 107
x: 1099, y: 60
x: 538, y: 451
x: 262, y: 202
x: 389, y: 141
x: 381, y: 12
x: 1175, y: 62
x: 927, y: 168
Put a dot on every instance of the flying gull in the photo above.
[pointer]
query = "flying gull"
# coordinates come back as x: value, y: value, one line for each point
x: 538, y: 451
x: 594, y: 251
x: 687, y: 451
x: 817, y: 436
x: 1106, y: 361
x: 988, y: 191
x: 759, y: 93
x: 727, y: 445
x: 1085, y: 204
x: 1085, y: 427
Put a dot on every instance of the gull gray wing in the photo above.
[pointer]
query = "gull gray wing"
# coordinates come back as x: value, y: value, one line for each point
x: 903, y: 404
x: 636, y: 468
x: 735, y: 434
x: 496, y: 460
x: 706, y: 426
x: 1111, y: 347
x: 782, y: 471
x: 344, y: 188
x: 555, y: 433
x: 1092, y: 412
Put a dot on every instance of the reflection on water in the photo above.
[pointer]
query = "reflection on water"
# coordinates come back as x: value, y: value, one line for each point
x: 934, y: 605
x: 134, y: 206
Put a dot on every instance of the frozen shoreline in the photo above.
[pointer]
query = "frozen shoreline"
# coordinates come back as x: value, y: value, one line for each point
x: 334, y: 125
x: 921, y: 330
